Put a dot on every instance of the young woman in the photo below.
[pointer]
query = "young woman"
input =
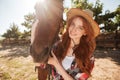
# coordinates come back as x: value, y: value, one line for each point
x: 73, y: 55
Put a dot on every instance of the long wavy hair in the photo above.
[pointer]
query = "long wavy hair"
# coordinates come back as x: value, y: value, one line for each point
x: 83, y: 51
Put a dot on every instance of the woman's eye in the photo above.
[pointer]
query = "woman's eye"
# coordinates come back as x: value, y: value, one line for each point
x: 81, y: 28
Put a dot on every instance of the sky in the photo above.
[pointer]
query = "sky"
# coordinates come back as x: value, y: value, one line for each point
x: 13, y: 11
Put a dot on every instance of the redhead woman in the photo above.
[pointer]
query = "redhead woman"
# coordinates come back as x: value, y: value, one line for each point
x: 72, y: 57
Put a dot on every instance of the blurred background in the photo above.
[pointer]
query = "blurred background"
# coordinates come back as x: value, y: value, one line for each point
x: 16, y: 18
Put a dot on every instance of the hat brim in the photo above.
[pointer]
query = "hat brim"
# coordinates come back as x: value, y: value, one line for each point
x: 76, y: 11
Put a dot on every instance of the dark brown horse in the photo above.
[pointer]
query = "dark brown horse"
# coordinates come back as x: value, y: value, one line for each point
x: 45, y: 31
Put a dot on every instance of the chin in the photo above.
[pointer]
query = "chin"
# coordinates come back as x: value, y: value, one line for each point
x: 73, y: 37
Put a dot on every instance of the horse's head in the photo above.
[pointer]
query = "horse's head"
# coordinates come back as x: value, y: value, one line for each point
x: 45, y: 29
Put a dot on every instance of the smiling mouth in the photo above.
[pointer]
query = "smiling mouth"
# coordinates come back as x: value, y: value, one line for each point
x: 73, y: 34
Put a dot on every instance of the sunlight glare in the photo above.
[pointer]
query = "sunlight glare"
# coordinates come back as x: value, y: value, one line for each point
x: 41, y: 1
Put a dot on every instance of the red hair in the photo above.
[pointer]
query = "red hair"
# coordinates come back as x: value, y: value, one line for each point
x: 83, y: 51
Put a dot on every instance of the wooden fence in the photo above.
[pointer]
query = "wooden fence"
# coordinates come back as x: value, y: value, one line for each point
x: 15, y: 42
x: 108, y: 43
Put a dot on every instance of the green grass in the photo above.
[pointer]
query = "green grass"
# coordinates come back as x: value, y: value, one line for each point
x: 16, y: 67
x: 5, y: 76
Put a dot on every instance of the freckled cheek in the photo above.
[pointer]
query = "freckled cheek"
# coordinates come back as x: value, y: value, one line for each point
x: 80, y: 33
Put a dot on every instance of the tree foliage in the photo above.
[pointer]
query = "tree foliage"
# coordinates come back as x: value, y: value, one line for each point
x: 117, y: 17
x: 111, y: 20
x: 13, y: 32
x: 25, y: 34
x: 29, y: 19
x: 82, y: 4
x: 7, y: 34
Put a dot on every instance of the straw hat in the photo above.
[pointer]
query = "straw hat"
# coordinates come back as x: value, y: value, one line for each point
x: 87, y: 14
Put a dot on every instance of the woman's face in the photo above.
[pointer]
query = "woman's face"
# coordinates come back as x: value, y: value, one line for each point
x: 76, y: 29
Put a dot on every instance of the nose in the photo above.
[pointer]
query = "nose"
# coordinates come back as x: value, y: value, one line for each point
x: 74, y: 29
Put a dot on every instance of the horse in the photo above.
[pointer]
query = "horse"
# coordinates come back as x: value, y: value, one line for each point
x: 45, y: 30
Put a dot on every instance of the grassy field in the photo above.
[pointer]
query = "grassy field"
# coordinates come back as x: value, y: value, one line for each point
x: 17, y: 64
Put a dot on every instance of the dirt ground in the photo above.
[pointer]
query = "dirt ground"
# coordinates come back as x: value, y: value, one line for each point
x: 17, y: 64
x: 107, y: 65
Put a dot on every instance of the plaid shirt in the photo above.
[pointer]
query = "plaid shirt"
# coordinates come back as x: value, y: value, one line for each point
x: 75, y: 72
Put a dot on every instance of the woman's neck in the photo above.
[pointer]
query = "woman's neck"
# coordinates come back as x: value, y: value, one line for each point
x: 75, y: 42
x: 71, y: 47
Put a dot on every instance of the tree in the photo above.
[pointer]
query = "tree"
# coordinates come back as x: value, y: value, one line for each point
x: 97, y: 10
x: 7, y: 35
x: 82, y: 4
x: 117, y: 24
x: 25, y: 34
x: 117, y: 17
x: 29, y: 19
x: 13, y: 32
x: 111, y: 20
